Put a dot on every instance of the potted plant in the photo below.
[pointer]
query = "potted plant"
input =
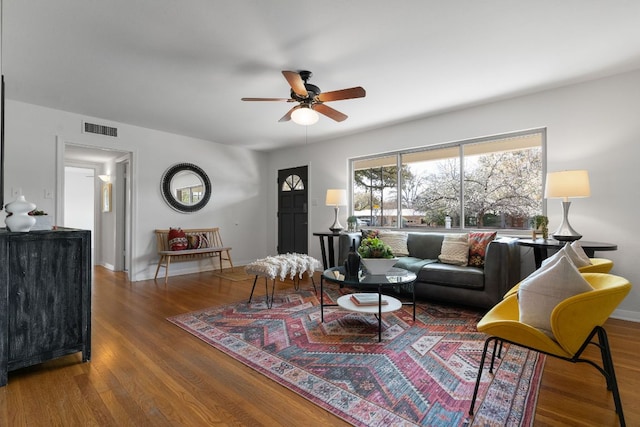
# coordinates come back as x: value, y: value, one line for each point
x: 352, y: 223
x: 376, y: 255
x: 43, y: 222
x: 540, y: 225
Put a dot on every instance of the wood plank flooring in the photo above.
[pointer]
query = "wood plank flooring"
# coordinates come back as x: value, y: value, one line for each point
x: 147, y: 372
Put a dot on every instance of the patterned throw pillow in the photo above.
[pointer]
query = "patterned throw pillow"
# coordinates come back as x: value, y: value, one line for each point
x: 197, y: 241
x: 455, y: 249
x: 194, y: 241
x: 369, y: 233
x: 177, y: 239
x: 204, y: 241
x: 478, y: 242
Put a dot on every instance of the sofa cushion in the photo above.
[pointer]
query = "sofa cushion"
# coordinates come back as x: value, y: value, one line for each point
x: 455, y: 249
x: 396, y: 240
x: 424, y: 245
x: 413, y: 264
x: 452, y: 275
x: 478, y: 242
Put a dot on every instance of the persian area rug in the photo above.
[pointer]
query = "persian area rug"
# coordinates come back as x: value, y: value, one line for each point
x: 422, y: 373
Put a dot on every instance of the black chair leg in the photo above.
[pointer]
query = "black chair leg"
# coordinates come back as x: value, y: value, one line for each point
x: 482, y: 359
x: 612, y: 383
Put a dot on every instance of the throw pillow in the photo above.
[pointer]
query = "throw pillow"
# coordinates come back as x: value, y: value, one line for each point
x: 369, y: 233
x: 204, y: 241
x: 455, y: 249
x: 478, y: 242
x: 198, y: 241
x: 177, y: 239
x: 567, y: 251
x: 539, y: 293
x: 193, y: 240
x: 580, y: 252
x: 397, y: 241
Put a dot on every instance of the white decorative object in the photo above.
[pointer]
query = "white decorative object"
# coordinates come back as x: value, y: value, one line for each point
x: 290, y: 264
x: 378, y: 265
x: 20, y: 220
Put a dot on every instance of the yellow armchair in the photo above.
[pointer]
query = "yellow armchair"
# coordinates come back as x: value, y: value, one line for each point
x: 598, y: 265
x: 575, y: 322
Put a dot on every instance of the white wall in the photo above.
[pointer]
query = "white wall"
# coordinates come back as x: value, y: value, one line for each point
x: 591, y: 126
x: 79, y: 185
x: 238, y: 178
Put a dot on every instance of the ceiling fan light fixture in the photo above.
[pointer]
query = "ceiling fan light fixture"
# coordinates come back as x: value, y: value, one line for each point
x: 304, y: 116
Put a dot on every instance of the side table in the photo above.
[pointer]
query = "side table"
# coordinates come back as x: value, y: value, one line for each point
x: 541, y: 246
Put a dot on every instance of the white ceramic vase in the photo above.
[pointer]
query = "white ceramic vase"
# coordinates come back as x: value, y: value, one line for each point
x: 20, y: 220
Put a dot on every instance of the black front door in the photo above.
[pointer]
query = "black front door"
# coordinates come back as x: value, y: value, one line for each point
x: 292, y: 210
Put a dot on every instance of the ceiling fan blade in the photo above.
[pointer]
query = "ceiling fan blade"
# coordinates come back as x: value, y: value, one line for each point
x: 287, y: 116
x: 267, y: 99
x: 337, y: 95
x: 330, y: 112
x: 296, y: 83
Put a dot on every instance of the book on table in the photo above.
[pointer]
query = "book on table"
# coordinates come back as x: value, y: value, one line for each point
x: 367, y: 299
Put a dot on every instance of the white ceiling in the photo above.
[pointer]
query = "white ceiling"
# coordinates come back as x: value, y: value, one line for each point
x: 182, y: 65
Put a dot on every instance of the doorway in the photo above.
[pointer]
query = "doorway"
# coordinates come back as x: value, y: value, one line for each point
x: 292, y: 210
x: 111, y: 225
x: 79, y: 201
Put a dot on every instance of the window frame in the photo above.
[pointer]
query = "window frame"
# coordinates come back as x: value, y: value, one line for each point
x: 460, y: 145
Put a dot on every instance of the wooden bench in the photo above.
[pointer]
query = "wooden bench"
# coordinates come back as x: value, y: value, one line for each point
x: 214, y: 250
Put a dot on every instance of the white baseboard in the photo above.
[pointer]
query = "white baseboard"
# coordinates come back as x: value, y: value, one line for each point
x: 109, y: 266
x: 632, y: 316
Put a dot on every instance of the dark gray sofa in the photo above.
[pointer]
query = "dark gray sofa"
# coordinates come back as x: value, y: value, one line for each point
x: 470, y: 286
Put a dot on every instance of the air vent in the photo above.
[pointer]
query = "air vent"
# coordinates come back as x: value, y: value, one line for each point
x: 100, y: 129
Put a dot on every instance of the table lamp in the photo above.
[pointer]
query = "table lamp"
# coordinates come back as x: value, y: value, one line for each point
x: 336, y: 198
x: 565, y: 184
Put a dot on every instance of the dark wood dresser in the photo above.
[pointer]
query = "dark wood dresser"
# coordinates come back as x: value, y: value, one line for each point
x: 45, y: 297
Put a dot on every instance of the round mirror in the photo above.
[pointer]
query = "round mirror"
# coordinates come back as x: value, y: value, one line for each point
x: 185, y: 187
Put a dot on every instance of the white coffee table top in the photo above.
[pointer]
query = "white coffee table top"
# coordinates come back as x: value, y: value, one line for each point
x: 393, y: 304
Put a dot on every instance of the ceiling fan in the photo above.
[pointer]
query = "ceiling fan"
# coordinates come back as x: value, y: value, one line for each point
x: 310, y: 99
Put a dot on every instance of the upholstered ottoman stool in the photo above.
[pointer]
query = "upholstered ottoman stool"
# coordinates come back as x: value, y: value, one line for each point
x: 292, y: 264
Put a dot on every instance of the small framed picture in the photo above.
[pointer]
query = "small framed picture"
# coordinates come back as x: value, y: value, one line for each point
x: 106, y: 197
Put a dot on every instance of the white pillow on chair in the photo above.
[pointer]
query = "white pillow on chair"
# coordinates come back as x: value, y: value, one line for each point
x: 539, y: 293
x: 580, y: 252
x: 570, y: 253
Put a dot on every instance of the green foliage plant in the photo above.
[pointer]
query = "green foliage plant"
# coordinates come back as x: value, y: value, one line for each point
x: 372, y: 247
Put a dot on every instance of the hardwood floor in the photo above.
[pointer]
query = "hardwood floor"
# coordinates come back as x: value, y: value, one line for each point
x: 147, y: 372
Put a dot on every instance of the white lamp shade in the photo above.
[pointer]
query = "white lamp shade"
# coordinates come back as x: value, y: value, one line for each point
x: 304, y: 116
x: 565, y: 184
x: 105, y: 178
x: 336, y: 197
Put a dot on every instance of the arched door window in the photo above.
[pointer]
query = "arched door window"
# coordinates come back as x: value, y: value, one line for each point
x: 293, y: 182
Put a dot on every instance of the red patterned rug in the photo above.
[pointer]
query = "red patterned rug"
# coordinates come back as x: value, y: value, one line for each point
x: 422, y: 373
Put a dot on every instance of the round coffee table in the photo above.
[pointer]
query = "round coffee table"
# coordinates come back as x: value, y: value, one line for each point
x: 372, y: 282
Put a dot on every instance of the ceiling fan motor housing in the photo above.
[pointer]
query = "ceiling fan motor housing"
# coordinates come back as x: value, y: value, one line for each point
x: 312, y: 92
